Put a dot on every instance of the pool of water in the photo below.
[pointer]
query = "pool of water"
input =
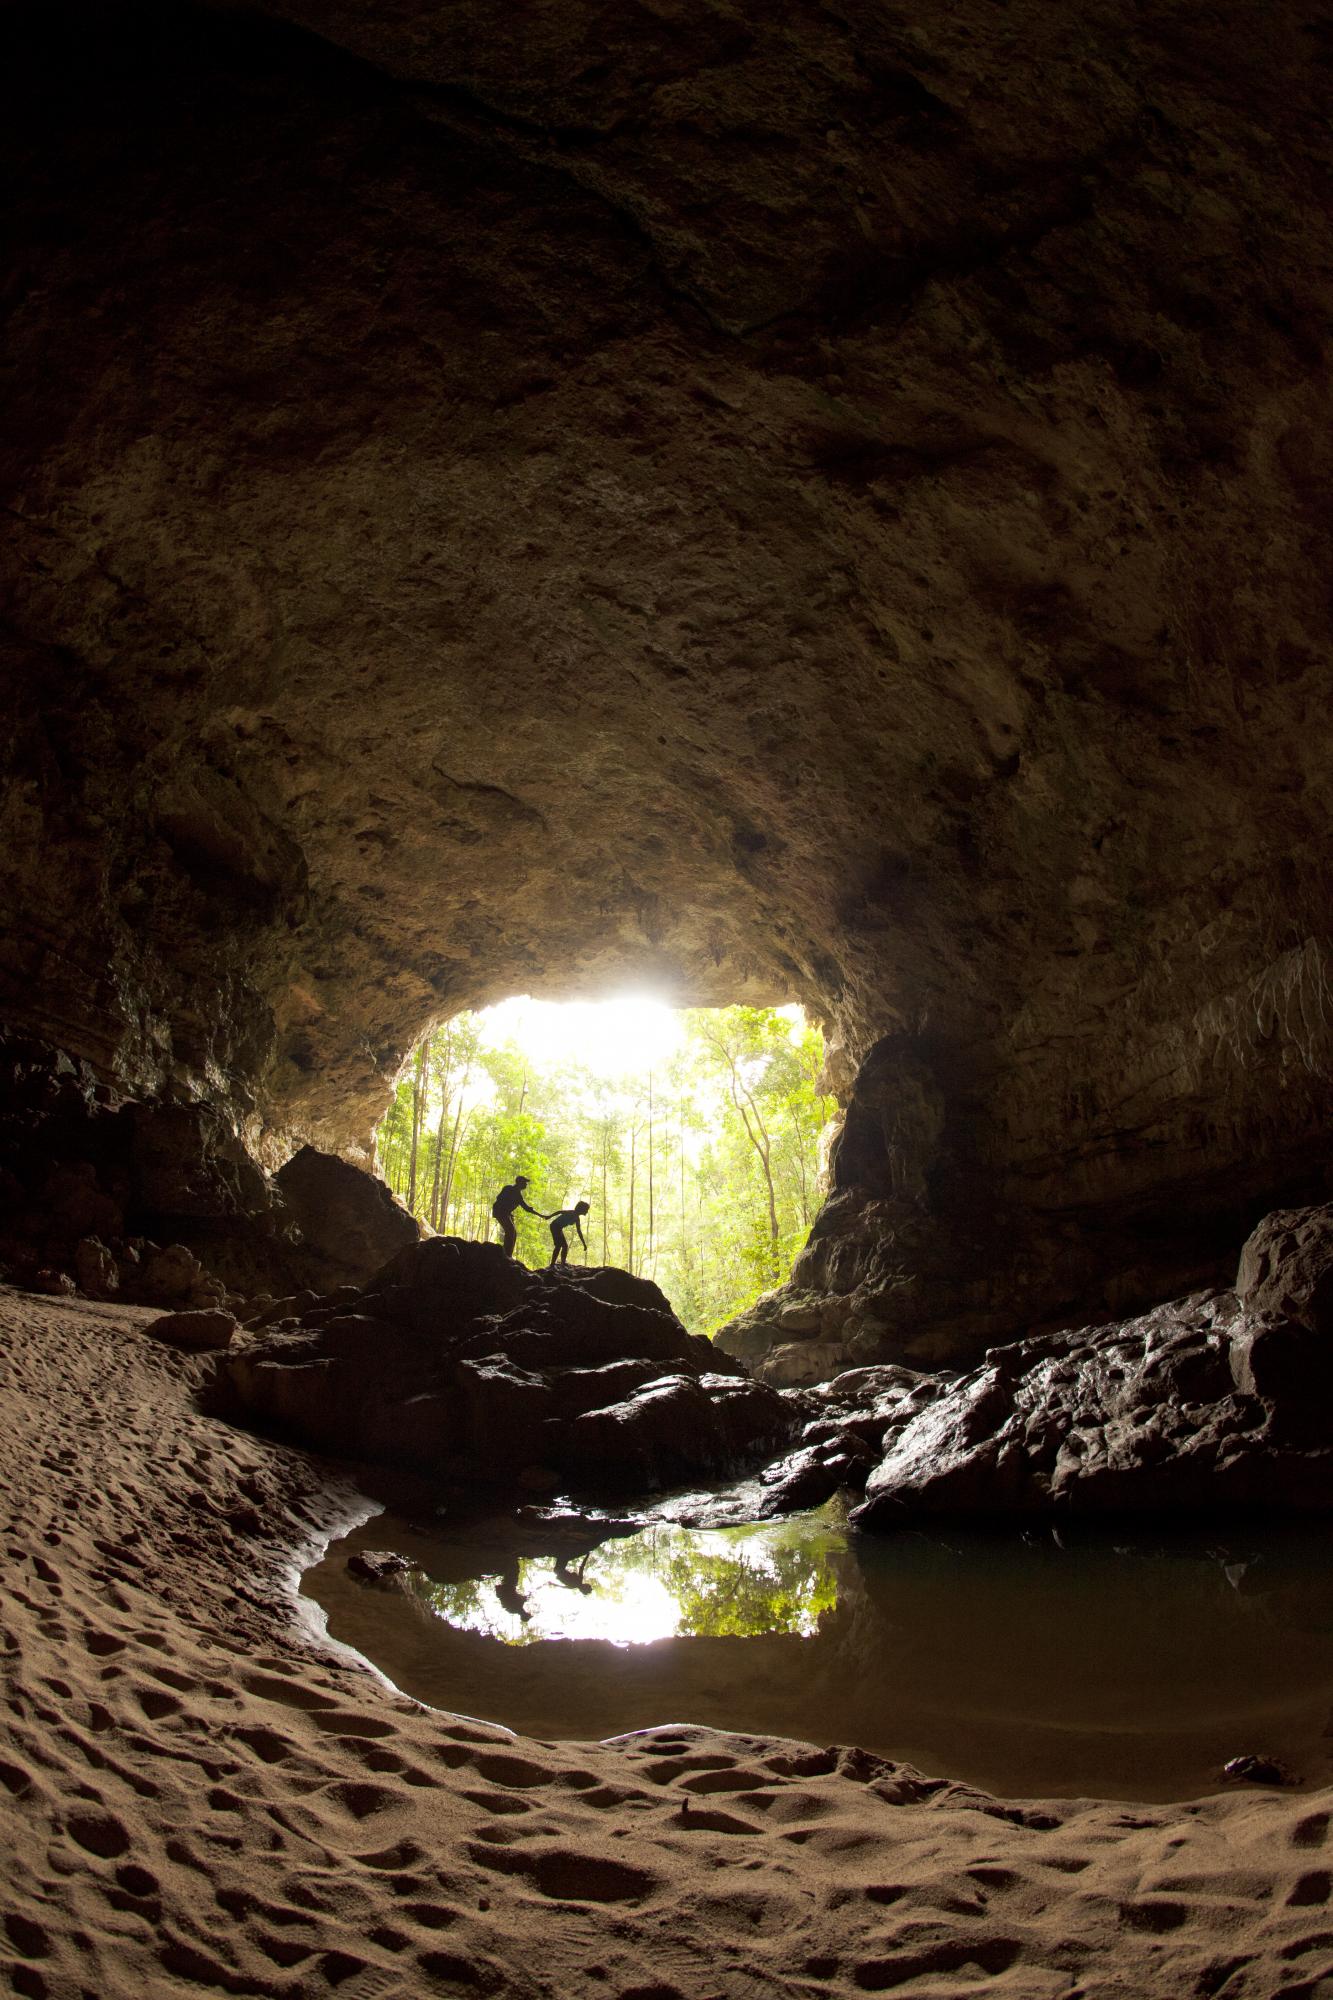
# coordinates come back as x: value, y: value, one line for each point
x: 1026, y: 1664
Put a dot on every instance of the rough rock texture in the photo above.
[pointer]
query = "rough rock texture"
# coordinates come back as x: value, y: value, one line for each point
x: 458, y: 1362
x: 1286, y: 1268
x: 160, y: 1203
x: 1198, y: 1407
x: 842, y: 499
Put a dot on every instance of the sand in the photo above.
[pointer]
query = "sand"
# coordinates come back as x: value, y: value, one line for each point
x: 203, y: 1797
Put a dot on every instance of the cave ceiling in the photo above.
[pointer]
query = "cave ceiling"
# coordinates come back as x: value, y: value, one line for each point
x: 827, y: 502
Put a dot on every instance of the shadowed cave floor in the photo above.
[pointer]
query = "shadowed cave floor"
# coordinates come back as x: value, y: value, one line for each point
x: 204, y: 1798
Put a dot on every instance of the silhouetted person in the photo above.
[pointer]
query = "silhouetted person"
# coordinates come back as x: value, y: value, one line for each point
x: 508, y: 1594
x: 560, y: 1223
x: 502, y: 1208
x: 574, y: 1579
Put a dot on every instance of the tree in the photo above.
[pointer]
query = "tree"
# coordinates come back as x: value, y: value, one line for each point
x: 703, y: 1173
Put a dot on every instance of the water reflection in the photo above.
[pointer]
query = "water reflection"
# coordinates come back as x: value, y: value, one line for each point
x: 666, y: 1583
x: 1092, y: 1664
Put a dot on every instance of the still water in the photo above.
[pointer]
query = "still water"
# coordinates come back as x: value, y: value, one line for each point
x: 1023, y: 1664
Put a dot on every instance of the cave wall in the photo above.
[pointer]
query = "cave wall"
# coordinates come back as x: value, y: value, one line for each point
x: 829, y: 507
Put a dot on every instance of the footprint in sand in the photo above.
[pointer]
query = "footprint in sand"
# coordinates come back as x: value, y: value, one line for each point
x: 291, y: 1694
x: 98, y: 1833
x: 565, y: 1875
x: 363, y: 1801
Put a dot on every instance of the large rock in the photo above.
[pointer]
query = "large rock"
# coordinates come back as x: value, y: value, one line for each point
x: 1286, y: 1267
x: 201, y: 1332
x: 1194, y: 1408
x: 349, y: 1221
x: 456, y: 1360
x: 675, y: 1429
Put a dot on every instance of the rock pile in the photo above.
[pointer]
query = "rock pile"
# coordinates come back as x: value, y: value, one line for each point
x: 459, y: 1363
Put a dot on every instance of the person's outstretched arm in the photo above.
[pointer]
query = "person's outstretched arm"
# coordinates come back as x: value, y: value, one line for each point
x: 532, y: 1211
x: 582, y: 1238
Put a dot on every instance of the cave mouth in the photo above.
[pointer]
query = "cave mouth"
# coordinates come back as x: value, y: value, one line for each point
x: 696, y: 1135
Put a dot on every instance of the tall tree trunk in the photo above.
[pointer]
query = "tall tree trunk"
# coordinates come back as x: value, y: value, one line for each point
x: 757, y: 1134
x: 445, y: 1064
x: 454, y: 1141
x: 629, y: 1261
x: 418, y: 1106
x: 605, y: 1145
x: 684, y: 1239
x: 650, y: 1237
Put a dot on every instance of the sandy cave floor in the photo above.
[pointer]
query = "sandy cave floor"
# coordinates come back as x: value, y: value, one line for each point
x: 200, y: 1798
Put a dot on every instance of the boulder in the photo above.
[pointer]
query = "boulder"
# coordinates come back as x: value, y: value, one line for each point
x: 1193, y: 1408
x: 380, y: 1569
x: 672, y: 1431
x: 348, y: 1220
x: 170, y: 1275
x: 456, y: 1360
x: 798, y: 1364
x: 1286, y: 1268
x: 194, y: 1332
x: 96, y: 1269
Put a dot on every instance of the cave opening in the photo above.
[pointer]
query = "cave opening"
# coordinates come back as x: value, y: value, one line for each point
x: 698, y: 1136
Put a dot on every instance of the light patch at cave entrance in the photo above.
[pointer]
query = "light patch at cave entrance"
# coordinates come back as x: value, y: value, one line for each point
x: 628, y: 1035
x: 695, y: 1136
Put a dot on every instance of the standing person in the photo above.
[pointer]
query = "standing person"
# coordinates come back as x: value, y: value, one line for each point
x: 560, y: 1223
x: 502, y: 1208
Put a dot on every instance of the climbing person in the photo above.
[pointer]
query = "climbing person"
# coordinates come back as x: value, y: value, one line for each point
x: 560, y: 1223
x: 502, y: 1208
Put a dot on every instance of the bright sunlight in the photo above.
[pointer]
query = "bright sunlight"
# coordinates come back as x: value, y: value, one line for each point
x: 693, y: 1135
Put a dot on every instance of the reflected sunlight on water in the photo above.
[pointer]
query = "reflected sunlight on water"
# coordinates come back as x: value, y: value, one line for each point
x: 666, y: 1582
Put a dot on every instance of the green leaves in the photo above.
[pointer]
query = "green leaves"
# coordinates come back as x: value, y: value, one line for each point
x: 703, y: 1175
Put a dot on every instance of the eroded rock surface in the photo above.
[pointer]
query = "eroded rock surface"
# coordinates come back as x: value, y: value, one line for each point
x: 1202, y: 1406
x: 161, y: 1204
x: 458, y: 1362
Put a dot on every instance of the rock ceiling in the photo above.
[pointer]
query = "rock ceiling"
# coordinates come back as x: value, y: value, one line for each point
x: 826, y: 504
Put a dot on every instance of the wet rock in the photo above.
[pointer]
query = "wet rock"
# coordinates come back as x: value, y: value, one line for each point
x: 1192, y: 1408
x: 1286, y: 1268
x: 348, y: 1219
x: 194, y: 1332
x: 1259, y: 1770
x: 832, y: 1459
x: 674, y: 1430
x: 797, y: 1364
x: 380, y: 1569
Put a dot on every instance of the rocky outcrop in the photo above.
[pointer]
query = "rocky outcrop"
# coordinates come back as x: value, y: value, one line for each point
x: 349, y: 1223
x: 845, y: 505
x: 458, y: 1362
x: 1200, y: 1407
x: 161, y: 1203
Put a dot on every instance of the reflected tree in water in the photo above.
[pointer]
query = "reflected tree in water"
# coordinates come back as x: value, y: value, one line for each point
x: 726, y: 1584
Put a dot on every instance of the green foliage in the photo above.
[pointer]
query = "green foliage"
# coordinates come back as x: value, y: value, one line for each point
x: 721, y: 1584
x: 704, y: 1176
